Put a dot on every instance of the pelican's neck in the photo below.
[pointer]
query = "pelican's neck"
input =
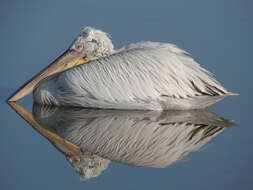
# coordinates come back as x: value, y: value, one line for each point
x: 102, y: 52
x: 105, y: 46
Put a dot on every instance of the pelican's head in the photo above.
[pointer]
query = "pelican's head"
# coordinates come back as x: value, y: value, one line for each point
x: 88, y: 165
x: 89, y: 45
x: 92, y: 43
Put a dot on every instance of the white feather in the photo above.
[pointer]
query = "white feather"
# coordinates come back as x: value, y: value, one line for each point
x: 145, y: 75
x: 139, y: 138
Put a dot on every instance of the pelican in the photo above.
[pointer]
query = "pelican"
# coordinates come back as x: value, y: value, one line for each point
x: 140, y: 76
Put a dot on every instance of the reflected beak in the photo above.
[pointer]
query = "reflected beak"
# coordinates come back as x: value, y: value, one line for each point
x: 66, y: 61
x: 69, y: 149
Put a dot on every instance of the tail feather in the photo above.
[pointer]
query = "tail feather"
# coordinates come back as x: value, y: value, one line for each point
x: 232, y: 94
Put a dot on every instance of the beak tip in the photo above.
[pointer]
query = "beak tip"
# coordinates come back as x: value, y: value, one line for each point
x: 9, y: 100
x: 12, y: 98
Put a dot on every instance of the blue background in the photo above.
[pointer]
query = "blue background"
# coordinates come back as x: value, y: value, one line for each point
x: 217, y: 33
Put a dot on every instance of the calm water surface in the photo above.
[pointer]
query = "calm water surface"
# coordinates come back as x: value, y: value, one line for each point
x: 123, y: 149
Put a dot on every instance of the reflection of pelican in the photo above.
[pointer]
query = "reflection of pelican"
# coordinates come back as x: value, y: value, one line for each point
x: 146, y: 75
x: 139, y: 138
x: 90, y: 138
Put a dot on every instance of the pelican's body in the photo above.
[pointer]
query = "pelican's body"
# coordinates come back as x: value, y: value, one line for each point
x: 144, y: 76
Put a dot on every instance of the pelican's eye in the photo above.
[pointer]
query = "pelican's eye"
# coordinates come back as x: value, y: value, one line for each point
x: 78, y: 46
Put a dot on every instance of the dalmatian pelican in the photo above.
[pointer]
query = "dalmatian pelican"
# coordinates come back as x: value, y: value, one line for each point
x: 140, y: 76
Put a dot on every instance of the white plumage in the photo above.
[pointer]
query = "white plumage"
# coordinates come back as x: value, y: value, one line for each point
x: 145, y: 75
x: 138, y: 138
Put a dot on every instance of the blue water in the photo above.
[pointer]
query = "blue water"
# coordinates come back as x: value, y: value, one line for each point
x: 218, y: 35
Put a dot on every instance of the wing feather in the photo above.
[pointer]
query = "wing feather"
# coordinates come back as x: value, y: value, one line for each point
x: 139, y: 73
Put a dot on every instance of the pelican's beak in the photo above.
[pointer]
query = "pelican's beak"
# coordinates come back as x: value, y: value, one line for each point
x: 66, y: 61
